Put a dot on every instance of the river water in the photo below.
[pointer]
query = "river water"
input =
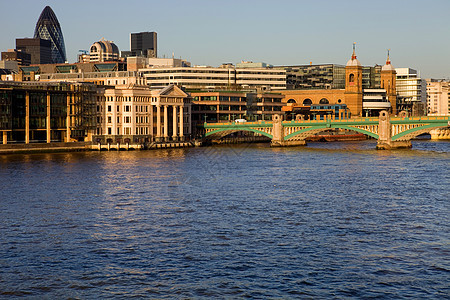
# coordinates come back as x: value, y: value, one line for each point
x: 330, y: 220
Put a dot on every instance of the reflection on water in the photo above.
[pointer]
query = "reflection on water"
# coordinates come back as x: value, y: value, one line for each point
x: 323, y: 221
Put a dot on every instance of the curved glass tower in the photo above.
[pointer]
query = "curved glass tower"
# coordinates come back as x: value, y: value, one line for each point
x: 48, y: 28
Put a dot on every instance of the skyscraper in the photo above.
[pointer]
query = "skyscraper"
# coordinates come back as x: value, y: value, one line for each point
x: 144, y: 43
x: 48, y: 28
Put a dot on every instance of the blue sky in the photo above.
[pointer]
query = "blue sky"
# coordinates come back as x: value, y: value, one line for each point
x: 282, y: 32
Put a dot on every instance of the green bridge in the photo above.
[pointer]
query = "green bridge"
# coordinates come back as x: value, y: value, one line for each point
x: 390, y: 132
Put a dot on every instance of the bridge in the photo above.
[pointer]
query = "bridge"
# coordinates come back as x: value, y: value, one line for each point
x: 390, y: 132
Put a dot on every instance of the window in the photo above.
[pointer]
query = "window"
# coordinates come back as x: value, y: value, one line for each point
x: 307, y: 102
x: 118, y: 108
x: 127, y: 108
x: 109, y: 130
x: 127, y: 119
x: 324, y: 101
x: 109, y: 107
x: 351, y: 78
x: 109, y: 119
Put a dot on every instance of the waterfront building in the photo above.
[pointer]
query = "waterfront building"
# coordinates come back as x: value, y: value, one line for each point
x: 227, y: 106
x: 143, y: 44
x: 318, y: 112
x: 22, y: 58
x: 360, y: 99
x: 438, y: 97
x: 40, y: 50
x: 103, y: 51
x: 46, y: 111
x: 48, y: 28
x: 211, y: 78
x: 138, y: 114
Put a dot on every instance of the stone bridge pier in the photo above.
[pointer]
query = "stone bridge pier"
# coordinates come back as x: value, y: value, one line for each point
x: 278, y: 134
x: 385, y: 141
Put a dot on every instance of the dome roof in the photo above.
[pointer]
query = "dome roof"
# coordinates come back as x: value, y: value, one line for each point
x: 388, y: 67
x: 353, y: 62
x: 105, y: 46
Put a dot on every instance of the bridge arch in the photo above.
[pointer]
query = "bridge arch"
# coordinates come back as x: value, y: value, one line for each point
x: 310, y: 131
x: 414, y: 132
x: 220, y: 133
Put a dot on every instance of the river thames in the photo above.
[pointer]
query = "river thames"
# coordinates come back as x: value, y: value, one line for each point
x: 329, y: 220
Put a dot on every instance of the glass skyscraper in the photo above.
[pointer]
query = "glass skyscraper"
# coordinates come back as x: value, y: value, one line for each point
x: 48, y: 28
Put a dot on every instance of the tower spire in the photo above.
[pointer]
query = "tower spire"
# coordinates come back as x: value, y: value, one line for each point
x: 388, y: 61
x: 354, y: 54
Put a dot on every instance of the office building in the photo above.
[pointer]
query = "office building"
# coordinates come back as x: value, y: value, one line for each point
x: 103, y: 51
x: 411, y: 91
x: 48, y: 28
x: 143, y: 44
x: 40, y: 50
x: 46, y: 111
x: 211, y: 78
x: 227, y: 106
x: 438, y: 97
x: 22, y: 58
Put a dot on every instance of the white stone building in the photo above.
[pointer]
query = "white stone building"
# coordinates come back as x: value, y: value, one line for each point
x: 139, y: 114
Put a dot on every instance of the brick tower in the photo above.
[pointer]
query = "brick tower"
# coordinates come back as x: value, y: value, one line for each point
x: 353, y: 85
x: 388, y: 82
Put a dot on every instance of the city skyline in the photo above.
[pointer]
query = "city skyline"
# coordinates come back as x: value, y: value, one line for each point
x: 282, y: 33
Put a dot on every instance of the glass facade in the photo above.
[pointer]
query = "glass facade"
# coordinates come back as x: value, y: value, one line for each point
x: 48, y: 28
x: 329, y: 76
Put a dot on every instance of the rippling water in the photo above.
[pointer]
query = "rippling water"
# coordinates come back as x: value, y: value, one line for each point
x: 330, y: 220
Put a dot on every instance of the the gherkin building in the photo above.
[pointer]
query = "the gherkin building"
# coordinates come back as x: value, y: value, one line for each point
x: 48, y: 28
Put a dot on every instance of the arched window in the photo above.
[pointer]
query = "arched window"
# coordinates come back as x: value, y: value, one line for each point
x: 351, y: 78
x: 324, y: 101
x: 307, y: 102
x: 339, y: 101
x: 291, y: 101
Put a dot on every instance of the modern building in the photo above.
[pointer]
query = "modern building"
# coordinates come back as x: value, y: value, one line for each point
x: 110, y: 78
x: 103, y: 51
x: 136, y: 63
x: 227, y: 106
x: 22, y: 58
x: 40, y: 50
x: 46, y: 111
x: 48, y: 28
x: 143, y: 44
x: 139, y: 114
x: 411, y: 91
x: 438, y: 97
x: 326, y: 76
x: 211, y: 78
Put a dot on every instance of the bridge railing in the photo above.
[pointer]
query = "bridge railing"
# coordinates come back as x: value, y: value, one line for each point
x: 352, y: 120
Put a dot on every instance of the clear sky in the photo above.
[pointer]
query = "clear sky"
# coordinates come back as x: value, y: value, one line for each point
x: 278, y: 32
